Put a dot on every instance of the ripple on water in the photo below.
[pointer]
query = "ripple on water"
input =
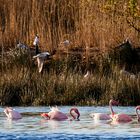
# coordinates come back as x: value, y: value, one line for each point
x: 64, y: 136
x: 33, y: 127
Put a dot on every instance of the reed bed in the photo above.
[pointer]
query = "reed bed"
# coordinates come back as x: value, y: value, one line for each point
x: 87, y: 23
x: 62, y: 82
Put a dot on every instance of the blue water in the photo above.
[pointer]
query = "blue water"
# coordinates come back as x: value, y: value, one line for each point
x: 32, y: 126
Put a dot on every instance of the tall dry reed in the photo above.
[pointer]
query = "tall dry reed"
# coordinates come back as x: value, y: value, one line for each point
x: 87, y: 23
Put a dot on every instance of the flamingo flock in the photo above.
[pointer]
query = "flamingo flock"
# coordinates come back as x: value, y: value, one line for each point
x: 57, y: 115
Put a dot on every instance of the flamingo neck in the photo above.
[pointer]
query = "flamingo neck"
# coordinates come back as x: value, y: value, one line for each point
x: 137, y: 114
x: 77, y: 112
x: 111, y: 109
x: 72, y: 114
x: 6, y: 113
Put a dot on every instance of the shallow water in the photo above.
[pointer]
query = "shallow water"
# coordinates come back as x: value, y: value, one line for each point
x: 32, y: 126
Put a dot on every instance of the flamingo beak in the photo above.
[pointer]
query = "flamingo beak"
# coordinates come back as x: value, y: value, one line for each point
x: 78, y: 118
x: 78, y: 115
x: 45, y: 115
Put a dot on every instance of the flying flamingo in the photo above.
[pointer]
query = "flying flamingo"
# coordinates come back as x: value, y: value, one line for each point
x: 12, y: 113
x: 138, y: 117
x: 56, y: 114
x: 41, y: 57
x: 121, y: 117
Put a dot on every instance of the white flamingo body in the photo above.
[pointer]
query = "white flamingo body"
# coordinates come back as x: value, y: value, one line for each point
x: 22, y: 46
x: 100, y: 116
x: 41, y: 57
x: 36, y: 40
x: 12, y: 113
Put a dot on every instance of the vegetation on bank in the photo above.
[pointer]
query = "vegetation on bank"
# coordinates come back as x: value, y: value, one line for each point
x: 62, y: 82
x: 94, y: 27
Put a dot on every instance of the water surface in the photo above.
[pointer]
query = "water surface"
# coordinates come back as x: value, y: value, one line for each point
x: 32, y: 126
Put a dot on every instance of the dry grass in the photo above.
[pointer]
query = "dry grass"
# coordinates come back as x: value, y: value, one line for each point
x: 87, y: 23
x: 62, y: 82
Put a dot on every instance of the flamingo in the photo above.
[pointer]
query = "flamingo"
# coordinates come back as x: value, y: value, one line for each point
x: 87, y: 74
x: 56, y: 114
x: 65, y: 43
x: 21, y: 45
x: 36, y: 43
x: 125, y: 73
x: 100, y: 116
x: 138, y: 117
x: 121, y: 117
x: 12, y: 113
x: 41, y: 57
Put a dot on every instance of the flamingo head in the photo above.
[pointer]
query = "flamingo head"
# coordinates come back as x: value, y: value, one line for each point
x: 45, y: 115
x: 37, y: 35
x: 8, y: 109
x: 138, y: 108
x: 75, y: 110
x: 113, y: 102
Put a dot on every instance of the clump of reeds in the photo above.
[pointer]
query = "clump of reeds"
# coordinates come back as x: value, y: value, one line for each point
x: 99, y: 24
x: 62, y: 82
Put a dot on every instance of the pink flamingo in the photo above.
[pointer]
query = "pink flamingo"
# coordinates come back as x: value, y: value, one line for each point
x: 121, y: 118
x: 56, y: 114
x: 100, y: 116
x: 12, y: 113
x: 138, y: 117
